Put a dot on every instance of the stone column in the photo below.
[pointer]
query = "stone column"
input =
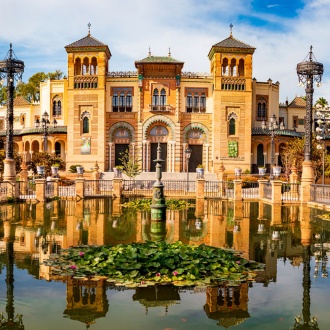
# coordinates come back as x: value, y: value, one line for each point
x: 276, y: 191
x: 200, y: 188
x: 307, y: 178
x: 207, y: 164
x: 117, y: 187
x: 237, y: 190
x: 80, y: 187
x: 56, y: 186
x: 262, y: 184
x: 110, y: 155
x: 40, y: 189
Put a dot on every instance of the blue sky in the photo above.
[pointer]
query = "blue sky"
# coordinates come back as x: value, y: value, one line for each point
x: 281, y: 30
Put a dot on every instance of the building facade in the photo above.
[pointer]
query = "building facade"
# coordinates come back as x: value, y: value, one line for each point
x: 101, y: 113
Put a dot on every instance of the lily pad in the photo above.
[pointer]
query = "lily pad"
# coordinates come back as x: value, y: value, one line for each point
x: 155, y: 262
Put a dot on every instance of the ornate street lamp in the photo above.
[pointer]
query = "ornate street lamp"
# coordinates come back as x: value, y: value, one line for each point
x: 272, y: 128
x: 309, y: 71
x: 188, y: 154
x: 10, y: 69
x: 44, y: 127
x: 322, y: 130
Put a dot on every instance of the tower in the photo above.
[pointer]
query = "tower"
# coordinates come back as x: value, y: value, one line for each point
x: 231, y: 70
x: 87, y: 70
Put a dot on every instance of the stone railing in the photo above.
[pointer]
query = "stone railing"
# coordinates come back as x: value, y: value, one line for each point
x: 274, y: 191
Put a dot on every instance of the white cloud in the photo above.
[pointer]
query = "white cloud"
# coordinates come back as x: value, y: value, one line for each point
x: 40, y: 29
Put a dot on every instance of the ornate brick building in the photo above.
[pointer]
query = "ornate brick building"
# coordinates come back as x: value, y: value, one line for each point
x: 101, y: 113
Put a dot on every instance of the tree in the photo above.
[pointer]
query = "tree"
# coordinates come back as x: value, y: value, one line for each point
x: 322, y: 101
x: 31, y: 89
x: 57, y: 75
x: 130, y: 162
x: 294, y: 154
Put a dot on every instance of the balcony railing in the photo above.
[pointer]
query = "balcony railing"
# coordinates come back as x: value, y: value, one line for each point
x: 196, y: 109
x: 122, y: 109
x: 160, y: 108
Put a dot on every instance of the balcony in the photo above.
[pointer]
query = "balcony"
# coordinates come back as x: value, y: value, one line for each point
x: 160, y: 108
x: 121, y: 109
x: 195, y: 109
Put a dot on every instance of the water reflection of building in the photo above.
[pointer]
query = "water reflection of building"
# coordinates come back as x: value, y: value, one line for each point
x: 86, y: 300
x: 157, y: 296
x: 227, y: 304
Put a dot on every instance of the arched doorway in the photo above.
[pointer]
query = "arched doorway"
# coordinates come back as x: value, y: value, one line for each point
x: 121, y: 138
x: 158, y: 134
x: 57, y: 148
x: 195, y: 138
x: 260, y: 155
x: 122, y: 141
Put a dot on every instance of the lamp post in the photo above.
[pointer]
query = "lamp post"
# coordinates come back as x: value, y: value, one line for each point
x: 309, y: 71
x: 44, y: 122
x: 188, y: 154
x: 272, y: 129
x: 10, y: 69
x: 323, y: 122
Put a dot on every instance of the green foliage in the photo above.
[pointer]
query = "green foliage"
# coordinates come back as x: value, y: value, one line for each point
x: 73, y: 168
x: 155, y: 262
x: 145, y: 204
x: 131, y: 163
x: 31, y: 89
x: 46, y: 159
x: 322, y: 101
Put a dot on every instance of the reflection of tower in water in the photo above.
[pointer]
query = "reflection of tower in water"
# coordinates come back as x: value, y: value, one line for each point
x: 86, y: 300
x: 227, y: 304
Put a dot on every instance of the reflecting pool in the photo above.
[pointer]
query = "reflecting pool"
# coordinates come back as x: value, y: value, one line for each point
x: 293, y: 242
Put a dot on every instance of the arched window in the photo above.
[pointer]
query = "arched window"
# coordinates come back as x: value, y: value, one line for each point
x: 94, y: 66
x: 155, y: 99
x: 203, y: 102
x: 262, y: 109
x: 241, y: 68
x: 225, y: 67
x: 122, y: 102
x: 57, y: 107
x: 196, y: 102
x: 232, y: 126
x: 233, y: 67
x: 115, y: 102
x: 85, y: 67
x: 163, y: 99
x: 85, y: 125
x: 189, y: 102
x: 77, y: 67
x: 129, y: 102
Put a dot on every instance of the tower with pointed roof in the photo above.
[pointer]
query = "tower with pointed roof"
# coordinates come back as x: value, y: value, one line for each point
x: 231, y: 69
x: 86, y: 108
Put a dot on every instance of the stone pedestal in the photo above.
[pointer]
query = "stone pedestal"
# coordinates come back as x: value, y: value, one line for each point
x: 307, y: 178
x: 9, y: 171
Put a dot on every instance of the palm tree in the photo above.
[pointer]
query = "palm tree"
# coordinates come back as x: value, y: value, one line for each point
x: 322, y: 102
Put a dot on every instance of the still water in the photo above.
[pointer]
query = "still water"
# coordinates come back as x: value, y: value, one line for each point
x: 293, y: 242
